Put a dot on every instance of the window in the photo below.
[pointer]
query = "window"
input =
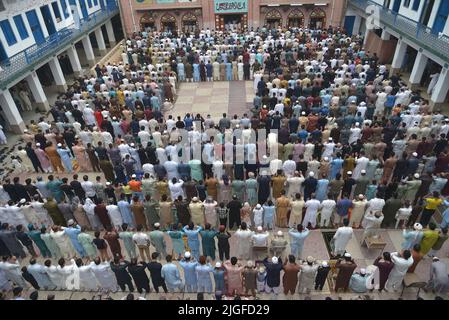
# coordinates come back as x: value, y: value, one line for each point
x: 416, y: 4
x: 8, y: 33
x: 89, y: 3
x: 95, y: 2
x: 406, y: 3
x: 64, y: 8
x: 56, y: 11
x: 20, y: 25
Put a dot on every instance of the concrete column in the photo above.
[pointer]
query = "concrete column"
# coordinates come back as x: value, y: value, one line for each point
x: 100, y: 41
x: 74, y: 61
x: 365, y: 39
x: 385, y: 35
x: 58, y: 75
x: 418, y: 70
x: 89, y: 51
x: 38, y: 92
x: 11, y: 113
x: 441, y: 89
x: 110, y: 32
x: 357, y: 24
x: 399, y: 56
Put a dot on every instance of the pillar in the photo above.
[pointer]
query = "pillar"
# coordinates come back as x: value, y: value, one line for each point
x: 399, y: 56
x: 441, y: 89
x: 74, y: 61
x: 385, y: 35
x: 58, y: 75
x: 38, y: 92
x: 110, y: 32
x: 418, y: 70
x: 88, y: 50
x: 357, y: 24
x: 100, y: 41
x: 365, y: 39
x: 11, y: 113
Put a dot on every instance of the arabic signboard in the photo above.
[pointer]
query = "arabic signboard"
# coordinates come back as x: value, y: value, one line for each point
x: 231, y: 6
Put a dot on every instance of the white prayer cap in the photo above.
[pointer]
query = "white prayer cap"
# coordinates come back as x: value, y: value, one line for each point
x: 38, y: 144
x: 416, y: 175
x: 108, y: 183
x: 361, y: 196
x: 417, y: 226
x: 133, y: 176
x: 414, y: 154
x: 132, y: 144
x: 363, y: 103
x: 357, y: 124
x: 218, y: 265
x: 59, y: 144
x: 363, y: 171
x: 258, y: 206
x: 114, y: 118
x: 95, y: 128
x: 310, y: 259
x: 249, y: 263
x: 324, y: 263
x: 349, y: 173
x: 264, y: 107
x: 194, y: 199
x: 25, y: 130
x: 303, y: 113
x: 157, y: 225
x: 22, y: 200
x: 326, y: 158
x: 347, y: 255
x: 330, y: 139
x: 363, y: 271
x: 280, y: 233
x: 259, y: 228
x: 187, y: 254
x: 274, y: 260
x: 70, y: 222
x: 262, y: 269
x: 311, y: 174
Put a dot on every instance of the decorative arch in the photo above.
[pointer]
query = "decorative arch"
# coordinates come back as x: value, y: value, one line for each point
x: 318, y: 15
x: 295, y: 19
x: 168, y: 21
x: 146, y: 21
x: 189, y: 22
x: 273, y: 18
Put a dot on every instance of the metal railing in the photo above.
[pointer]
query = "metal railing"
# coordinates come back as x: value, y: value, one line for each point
x: 414, y: 31
x: 16, y: 66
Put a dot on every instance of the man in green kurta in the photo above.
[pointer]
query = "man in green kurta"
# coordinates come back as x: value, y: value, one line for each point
x: 86, y: 241
x: 251, y: 189
x: 53, y: 186
x: 52, y: 208
x: 390, y: 209
x: 151, y: 210
x: 51, y: 244
x: 195, y: 170
x: 127, y: 238
x: 238, y: 189
x: 35, y: 235
x: 208, y: 241
x: 148, y: 185
x: 361, y: 184
x: 157, y: 239
x: 412, y: 188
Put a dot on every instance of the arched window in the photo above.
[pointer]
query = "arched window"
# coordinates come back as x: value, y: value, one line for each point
x: 295, y: 19
x: 189, y: 22
x: 147, y: 22
x: 317, y: 19
x: 168, y: 23
x: 273, y: 19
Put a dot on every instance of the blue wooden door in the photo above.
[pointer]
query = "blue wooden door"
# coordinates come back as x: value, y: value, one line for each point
x: 349, y: 24
x: 3, y: 55
x: 441, y: 18
x: 48, y: 19
x: 396, y: 6
x: 84, y: 9
x: 35, y: 26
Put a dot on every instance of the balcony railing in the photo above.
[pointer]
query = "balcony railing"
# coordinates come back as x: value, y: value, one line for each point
x: 408, y: 28
x: 16, y: 66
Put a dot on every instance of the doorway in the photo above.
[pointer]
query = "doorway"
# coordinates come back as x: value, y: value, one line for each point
x: 441, y: 18
x: 48, y: 20
x: 396, y: 6
x: 84, y: 9
x: 35, y: 27
x: 349, y: 25
x: 427, y: 11
x: 231, y: 22
x: 3, y: 55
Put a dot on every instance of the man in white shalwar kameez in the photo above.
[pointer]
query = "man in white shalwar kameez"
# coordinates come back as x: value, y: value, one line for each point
x: 401, y: 265
x: 63, y: 242
x: 114, y: 215
x: 243, y: 236
x: 68, y: 281
x: 342, y: 237
x: 40, y: 274
x: 11, y: 267
x: 87, y: 279
x: 361, y: 164
x: 106, y: 278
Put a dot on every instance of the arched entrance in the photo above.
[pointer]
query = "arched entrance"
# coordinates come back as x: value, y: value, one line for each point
x: 273, y: 19
x: 189, y: 23
x: 147, y: 22
x: 168, y: 23
x: 317, y: 19
x: 295, y: 19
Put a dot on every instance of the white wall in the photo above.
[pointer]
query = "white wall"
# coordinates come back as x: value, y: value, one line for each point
x: 409, y: 12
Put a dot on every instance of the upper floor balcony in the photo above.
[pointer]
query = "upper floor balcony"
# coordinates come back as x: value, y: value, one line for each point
x: 15, y: 67
x: 414, y: 31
